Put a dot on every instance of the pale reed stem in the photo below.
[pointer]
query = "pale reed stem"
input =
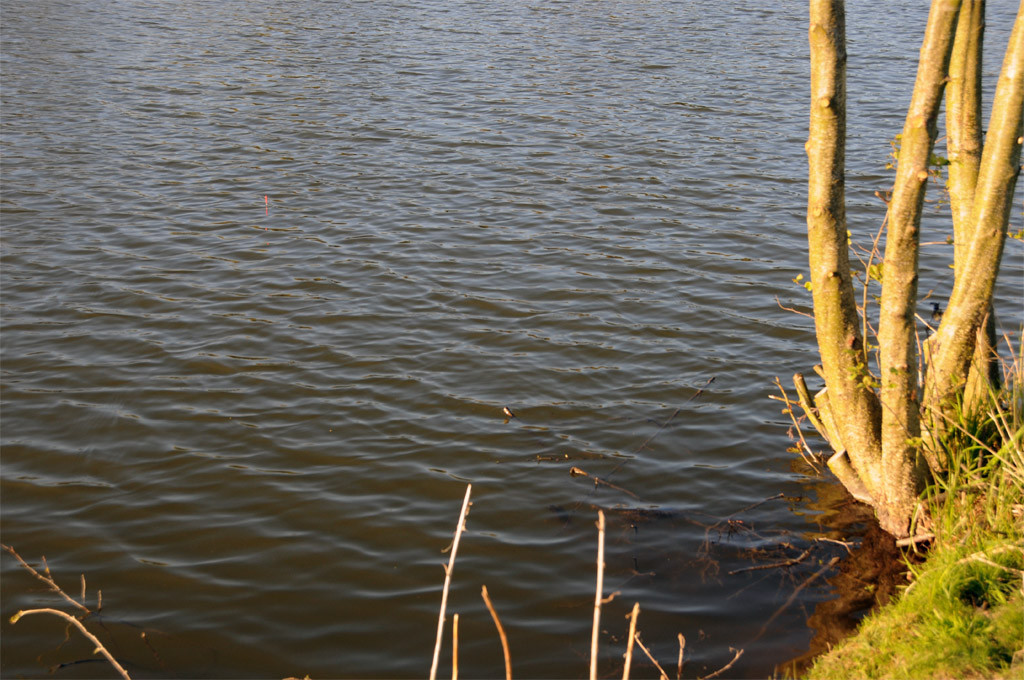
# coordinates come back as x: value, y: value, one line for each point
x: 597, y: 596
x: 629, y: 645
x: 448, y: 581
x: 455, y: 647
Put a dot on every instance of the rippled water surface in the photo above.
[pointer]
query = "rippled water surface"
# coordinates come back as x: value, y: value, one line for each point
x: 250, y: 421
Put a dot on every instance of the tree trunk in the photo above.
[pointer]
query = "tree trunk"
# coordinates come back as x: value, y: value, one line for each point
x: 854, y: 406
x: 897, y: 337
x: 990, y: 213
x: 963, y: 146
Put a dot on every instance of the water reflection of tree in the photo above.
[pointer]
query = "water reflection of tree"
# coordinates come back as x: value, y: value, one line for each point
x: 867, y: 576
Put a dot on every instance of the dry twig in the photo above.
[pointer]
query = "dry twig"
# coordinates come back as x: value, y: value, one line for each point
x: 664, y: 675
x: 501, y: 633
x: 48, y: 580
x: 78, y: 624
x: 784, y: 563
x: 739, y: 653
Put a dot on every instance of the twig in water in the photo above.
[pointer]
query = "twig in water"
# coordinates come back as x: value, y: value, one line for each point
x: 790, y: 309
x: 598, y: 595
x: 784, y: 563
x: 664, y: 675
x: 629, y: 646
x: 739, y: 653
x: 75, y: 622
x: 682, y: 647
x: 580, y: 472
x: 448, y: 581
x: 501, y: 633
x: 845, y: 544
x: 455, y: 647
x: 48, y: 580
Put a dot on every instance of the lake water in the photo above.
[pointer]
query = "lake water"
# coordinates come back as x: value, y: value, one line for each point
x: 272, y: 271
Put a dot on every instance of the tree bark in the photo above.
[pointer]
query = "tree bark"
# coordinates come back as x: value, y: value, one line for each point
x: 963, y: 122
x: 990, y: 213
x: 897, y: 337
x: 854, y: 405
x: 963, y: 146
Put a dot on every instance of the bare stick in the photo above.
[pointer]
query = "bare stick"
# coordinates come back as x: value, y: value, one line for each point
x: 448, y: 581
x: 739, y: 653
x: 501, y: 633
x: 72, y: 620
x: 48, y: 580
x: 597, y: 596
x: 682, y: 647
x: 455, y: 647
x: 664, y: 675
x: 629, y: 646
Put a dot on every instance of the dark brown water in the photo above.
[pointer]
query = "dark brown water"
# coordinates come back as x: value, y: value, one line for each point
x: 253, y: 432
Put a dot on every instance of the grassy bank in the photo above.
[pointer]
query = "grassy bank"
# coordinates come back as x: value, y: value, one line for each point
x: 962, y: 614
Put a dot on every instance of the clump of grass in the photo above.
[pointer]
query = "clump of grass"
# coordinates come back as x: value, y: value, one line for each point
x: 962, y: 616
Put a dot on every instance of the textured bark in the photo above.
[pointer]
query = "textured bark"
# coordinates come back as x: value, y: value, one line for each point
x: 954, y: 341
x: 897, y: 338
x: 963, y: 146
x: 963, y: 121
x: 855, y: 408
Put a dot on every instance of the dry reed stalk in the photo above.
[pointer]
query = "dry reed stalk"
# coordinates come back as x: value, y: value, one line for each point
x: 448, y: 581
x: 75, y: 622
x: 629, y: 646
x: 597, y: 595
x: 455, y: 647
x: 664, y: 675
x: 682, y: 647
x: 501, y: 633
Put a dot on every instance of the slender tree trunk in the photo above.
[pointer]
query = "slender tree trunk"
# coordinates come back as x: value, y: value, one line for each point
x: 897, y: 336
x: 854, y: 406
x: 963, y: 145
x: 963, y: 122
x: 990, y: 213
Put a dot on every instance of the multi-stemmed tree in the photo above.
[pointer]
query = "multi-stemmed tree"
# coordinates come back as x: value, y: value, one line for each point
x: 881, y: 421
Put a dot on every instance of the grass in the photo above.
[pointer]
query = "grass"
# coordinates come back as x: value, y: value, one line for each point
x: 962, y: 616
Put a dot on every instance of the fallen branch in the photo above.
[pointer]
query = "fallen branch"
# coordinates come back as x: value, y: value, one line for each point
x: 501, y: 633
x: 448, y: 580
x: 100, y: 649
